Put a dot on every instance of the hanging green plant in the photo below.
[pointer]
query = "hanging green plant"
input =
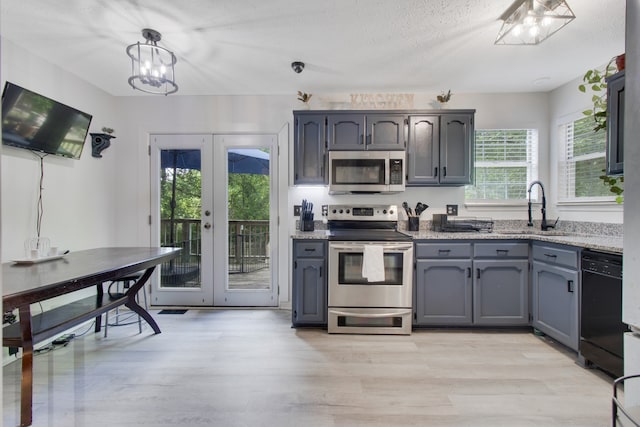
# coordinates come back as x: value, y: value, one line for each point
x: 615, y: 184
x: 596, y: 81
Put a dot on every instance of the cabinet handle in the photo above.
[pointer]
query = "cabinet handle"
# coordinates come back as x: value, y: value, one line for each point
x: 502, y: 251
x: 444, y: 171
x: 320, y: 271
x: 570, y: 286
x: 468, y: 271
x: 477, y: 273
x: 435, y: 171
x: 444, y: 251
x: 551, y: 255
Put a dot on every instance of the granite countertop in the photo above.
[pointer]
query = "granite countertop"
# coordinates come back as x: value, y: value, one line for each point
x: 597, y: 242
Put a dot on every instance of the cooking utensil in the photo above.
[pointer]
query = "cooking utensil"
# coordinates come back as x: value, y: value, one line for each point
x: 407, y: 209
x: 421, y: 207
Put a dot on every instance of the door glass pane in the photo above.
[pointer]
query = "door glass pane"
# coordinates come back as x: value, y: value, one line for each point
x: 248, y: 215
x: 180, y: 213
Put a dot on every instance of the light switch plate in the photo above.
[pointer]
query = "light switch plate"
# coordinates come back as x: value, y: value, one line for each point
x: 296, y: 210
x: 452, y: 210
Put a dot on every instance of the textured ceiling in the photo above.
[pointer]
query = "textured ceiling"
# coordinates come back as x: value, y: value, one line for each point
x: 231, y: 47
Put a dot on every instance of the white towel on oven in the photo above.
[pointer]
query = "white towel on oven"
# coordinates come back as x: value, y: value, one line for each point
x: 373, y: 263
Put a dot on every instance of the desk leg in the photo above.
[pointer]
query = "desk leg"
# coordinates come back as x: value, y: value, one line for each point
x: 133, y: 304
x: 26, y: 392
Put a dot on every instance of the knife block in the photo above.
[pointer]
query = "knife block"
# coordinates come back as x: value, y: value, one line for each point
x: 306, y: 225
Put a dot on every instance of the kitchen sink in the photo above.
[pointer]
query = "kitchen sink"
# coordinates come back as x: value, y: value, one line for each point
x: 533, y: 232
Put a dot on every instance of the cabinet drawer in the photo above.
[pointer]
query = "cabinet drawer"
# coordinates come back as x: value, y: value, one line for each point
x: 501, y: 250
x: 443, y: 250
x: 557, y: 256
x: 309, y: 248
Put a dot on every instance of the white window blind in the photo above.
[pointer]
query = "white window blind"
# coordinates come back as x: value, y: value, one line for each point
x: 506, y: 160
x: 582, y: 162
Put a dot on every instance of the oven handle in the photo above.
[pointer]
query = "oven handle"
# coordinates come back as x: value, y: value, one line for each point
x: 399, y: 246
x: 343, y: 313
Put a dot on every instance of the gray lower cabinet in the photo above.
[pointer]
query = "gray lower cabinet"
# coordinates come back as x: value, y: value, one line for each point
x: 501, y: 292
x: 309, y: 288
x: 555, y: 283
x: 443, y: 284
x: 443, y: 292
x: 484, y: 284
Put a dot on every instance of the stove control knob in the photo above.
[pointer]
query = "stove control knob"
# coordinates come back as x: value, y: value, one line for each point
x: 335, y: 210
x: 341, y: 211
x: 348, y: 211
x: 391, y: 212
x: 384, y: 211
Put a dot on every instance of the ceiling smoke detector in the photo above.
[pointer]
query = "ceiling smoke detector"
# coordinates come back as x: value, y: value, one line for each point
x: 297, y: 66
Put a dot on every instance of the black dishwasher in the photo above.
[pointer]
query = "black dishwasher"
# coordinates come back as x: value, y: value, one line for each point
x: 601, y: 327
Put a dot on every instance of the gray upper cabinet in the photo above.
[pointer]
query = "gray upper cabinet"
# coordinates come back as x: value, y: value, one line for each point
x: 423, y: 158
x: 440, y: 149
x: 370, y: 131
x: 615, y: 124
x: 310, y: 159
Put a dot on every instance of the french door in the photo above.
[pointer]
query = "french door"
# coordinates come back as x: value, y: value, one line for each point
x: 245, y: 217
x: 214, y: 196
x: 182, y: 216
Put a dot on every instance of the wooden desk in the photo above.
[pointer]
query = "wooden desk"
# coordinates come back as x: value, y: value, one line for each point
x: 24, y: 285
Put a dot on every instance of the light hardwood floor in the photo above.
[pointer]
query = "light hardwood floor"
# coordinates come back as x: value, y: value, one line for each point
x: 250, y: 368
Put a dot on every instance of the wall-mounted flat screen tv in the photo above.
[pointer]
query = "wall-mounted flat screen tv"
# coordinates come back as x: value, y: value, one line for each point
x: 35, y: 122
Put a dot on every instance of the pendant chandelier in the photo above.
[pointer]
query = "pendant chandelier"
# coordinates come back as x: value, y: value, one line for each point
x: 530, y: 22
x: 152, y: 66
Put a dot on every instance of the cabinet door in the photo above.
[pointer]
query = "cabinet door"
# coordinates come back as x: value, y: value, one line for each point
x: 386, y: 131
x: 423, y: 150
x: 555, y: 303
x: 615, y: 124
x: 309, y: 292
x: 346, y: 132
x: 310, y: 150
x: 500, y: 292
x: 456, y: 149
x: 443, y: 292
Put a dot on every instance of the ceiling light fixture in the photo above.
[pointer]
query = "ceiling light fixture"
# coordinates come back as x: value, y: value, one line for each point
x: 533, y: 21
x: 152, y: 66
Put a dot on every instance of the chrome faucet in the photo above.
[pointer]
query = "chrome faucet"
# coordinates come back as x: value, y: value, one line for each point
x: 544, y: 226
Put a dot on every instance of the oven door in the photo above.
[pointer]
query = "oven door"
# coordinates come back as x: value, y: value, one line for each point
x: 349, y: 288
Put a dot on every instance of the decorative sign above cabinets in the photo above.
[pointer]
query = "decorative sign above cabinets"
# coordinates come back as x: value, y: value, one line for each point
x: 381, y: 101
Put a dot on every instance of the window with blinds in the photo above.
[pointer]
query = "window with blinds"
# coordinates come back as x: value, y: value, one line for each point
x: 582, y: 162
x: 506, y: 160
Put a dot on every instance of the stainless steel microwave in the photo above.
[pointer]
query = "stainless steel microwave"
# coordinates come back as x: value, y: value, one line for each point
x: 366, y: 171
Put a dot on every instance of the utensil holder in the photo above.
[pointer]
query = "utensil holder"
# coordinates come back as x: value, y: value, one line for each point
x: 414, y: 223
x: 306, y: 225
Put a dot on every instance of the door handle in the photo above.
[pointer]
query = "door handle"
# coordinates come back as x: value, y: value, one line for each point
x: 207, y: 225
x: 477, y: 273
x: 570, y: 287
x: 444, y: 171
x: 435, y: 171
x: 468, y: 271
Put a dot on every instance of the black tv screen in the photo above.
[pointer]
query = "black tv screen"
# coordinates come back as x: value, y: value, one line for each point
x: 38, y: 123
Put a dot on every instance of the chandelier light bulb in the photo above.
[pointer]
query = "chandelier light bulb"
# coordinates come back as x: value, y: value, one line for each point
x: 534, y: 30
x: 546, y: 21
x: 163, y: 69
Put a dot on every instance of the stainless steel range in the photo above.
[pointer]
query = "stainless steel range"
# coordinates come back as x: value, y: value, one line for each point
x: 370, y: 271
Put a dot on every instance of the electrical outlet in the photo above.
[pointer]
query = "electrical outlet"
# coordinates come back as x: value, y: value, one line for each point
x: 296, y: 210
x: 325, y: 210
x: 452, y: 210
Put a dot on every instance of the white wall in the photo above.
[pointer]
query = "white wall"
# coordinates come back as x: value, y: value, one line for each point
x: 79, y: 197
